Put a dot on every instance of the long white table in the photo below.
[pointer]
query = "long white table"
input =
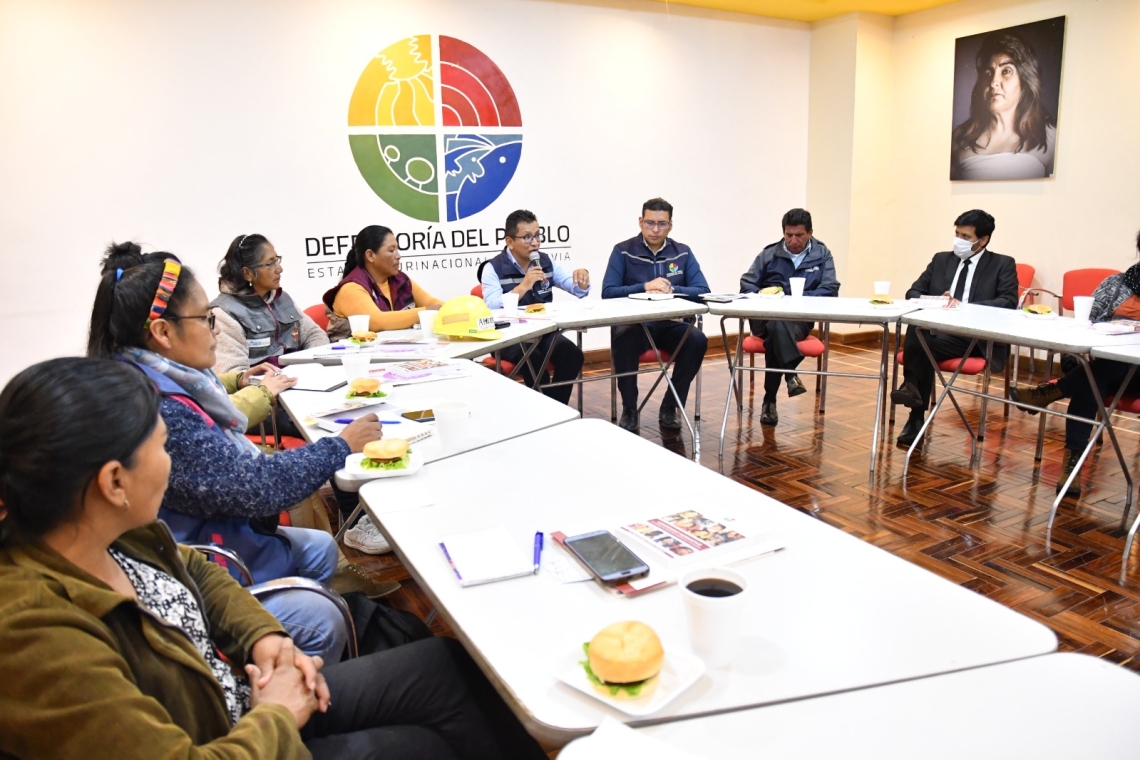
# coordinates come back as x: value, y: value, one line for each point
x: 1056, y: 707
x: 523, y: 331
x: 988, y: 324
x: 501, y: 409
x: 821, y: 309
x: 829, y: 612
x: 582, y: 315
x: 1129, y: 354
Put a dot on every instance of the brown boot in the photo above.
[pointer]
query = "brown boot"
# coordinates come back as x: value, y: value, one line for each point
x: 352, y: 578
x: 1068, y: 462
x: 1041, y: 395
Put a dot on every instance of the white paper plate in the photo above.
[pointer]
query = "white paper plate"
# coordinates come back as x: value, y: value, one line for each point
x: 353, y: 468
x: 680, y: 671
x: 651, y: 296
x: 1031, y: 315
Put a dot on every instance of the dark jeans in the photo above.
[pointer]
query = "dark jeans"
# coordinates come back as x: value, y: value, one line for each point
x: 628, y: 342
x: 917, y: 368
x: 780, y: 349
x: 423, y: 700
x: 566, y: 358
x: 1075, y: 386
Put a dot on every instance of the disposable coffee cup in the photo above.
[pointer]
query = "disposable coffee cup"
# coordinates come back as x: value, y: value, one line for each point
x: 358, y: 323
x: 882, y: 287
x: 797, y: 284
x: 715, y: 600
x: 510, y: 302
x: 427, y: 321
x: 1082, y: 308
x: 355, y: 365
x: 453, y: 425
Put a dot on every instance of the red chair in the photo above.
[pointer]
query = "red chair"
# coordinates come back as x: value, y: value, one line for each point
x: 810, y: 346
x: 1025, y: 274
x: 971, y: 366
x: 319, y: 315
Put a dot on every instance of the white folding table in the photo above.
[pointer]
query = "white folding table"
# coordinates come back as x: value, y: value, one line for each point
x: 822, y: 309
x: 523, y: 331
x: 501, y: 409
x: 582, y: 315
x: 1056, y: 707
x: 1129, y: 354
x: 829, y: 612
x: 989, y: 324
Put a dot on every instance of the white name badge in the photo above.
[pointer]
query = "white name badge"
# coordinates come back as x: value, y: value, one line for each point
x: 259, y: 343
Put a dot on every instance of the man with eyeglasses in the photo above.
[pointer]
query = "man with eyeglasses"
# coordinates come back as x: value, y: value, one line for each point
x: 525, y: 270
x: 797, y: 255
x: 652, y: 262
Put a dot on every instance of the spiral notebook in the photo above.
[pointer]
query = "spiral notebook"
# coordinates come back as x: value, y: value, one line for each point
x: 485, y: 556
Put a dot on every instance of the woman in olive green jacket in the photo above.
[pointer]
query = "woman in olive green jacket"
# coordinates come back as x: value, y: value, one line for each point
x: 118, y: 643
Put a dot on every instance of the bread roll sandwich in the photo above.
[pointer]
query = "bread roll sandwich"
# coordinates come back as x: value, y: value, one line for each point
x: 882, y: 301
x: 773, y: 290
x: 624, y: 660
x: 1038, y: 308
x: 386, y: 454
x: 365, y: 387
x: 536, y: 308
x: 363, y: 337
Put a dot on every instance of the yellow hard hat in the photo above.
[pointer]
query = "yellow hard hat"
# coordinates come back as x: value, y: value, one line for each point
x: 466, y: 317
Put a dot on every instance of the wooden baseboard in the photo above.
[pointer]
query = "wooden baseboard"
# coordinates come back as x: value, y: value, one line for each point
x: 601, y: 356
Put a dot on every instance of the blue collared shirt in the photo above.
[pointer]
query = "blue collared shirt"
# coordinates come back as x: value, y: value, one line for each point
x: 493, y: 290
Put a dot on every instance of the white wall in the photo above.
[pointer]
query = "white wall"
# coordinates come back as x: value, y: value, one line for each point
x: 183, y: 125
x: 1087, y: 214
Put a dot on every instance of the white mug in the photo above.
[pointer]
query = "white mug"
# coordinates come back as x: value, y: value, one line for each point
x: 715, y: 621
x: 797, y: 285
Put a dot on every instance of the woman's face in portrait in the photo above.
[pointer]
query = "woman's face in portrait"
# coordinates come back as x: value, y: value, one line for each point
x: 1004, y: 90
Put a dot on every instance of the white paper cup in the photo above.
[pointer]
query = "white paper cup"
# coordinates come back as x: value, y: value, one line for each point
x: 453, y: 425
x: 510, y: 302
x: 1082, y: 308
x: 358, y: 323
x: 355, y: 365
x: 882, y: 287
x: 427, y: 321
x: 715, y: 622
x: 797, y: 285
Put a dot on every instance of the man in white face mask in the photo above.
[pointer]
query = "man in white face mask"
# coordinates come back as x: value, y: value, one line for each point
x: 969, y: 273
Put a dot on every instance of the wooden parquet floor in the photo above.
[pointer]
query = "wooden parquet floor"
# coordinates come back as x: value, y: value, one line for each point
x: 982, y: 527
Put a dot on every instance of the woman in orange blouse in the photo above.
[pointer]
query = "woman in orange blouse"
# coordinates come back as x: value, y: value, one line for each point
x: 374, y: 285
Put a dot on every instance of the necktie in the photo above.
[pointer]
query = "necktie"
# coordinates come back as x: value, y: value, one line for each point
x: 960, y: 286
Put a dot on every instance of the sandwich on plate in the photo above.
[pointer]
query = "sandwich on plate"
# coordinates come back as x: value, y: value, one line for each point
x: 624, y: 660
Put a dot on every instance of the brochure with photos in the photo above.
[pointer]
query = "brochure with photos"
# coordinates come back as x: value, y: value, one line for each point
x: 689, y: 535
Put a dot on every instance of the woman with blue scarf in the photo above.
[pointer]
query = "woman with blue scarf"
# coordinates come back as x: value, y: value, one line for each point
x: 155, y: 316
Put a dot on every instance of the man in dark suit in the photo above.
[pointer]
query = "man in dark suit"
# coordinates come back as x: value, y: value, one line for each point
x: 968, y: 274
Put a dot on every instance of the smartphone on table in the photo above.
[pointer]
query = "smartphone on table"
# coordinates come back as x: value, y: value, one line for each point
x: 419, y: 415
x: 607, y: 558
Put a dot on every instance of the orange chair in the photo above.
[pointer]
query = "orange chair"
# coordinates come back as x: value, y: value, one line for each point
x: 1075, y: 282
x: 810, y: 346
x: 319, y: 315
x: 972, y: 366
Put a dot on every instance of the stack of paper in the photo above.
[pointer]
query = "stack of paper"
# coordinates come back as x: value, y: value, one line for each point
x: 485, y: 556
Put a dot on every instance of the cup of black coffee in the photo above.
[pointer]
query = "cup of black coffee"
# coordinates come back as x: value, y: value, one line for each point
x: 714, y: 607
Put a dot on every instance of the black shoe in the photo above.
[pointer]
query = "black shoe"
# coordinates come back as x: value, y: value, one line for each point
x: 1068, y: 461
x: 1041, y: 395
x: 909, y: 397
x: 768, y: 414
x: 910, y: 431
x: 795, y: 386
x: 669, y: 419
x: 629, y: 419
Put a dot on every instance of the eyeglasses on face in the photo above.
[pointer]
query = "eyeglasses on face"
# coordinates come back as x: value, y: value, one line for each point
x: 530, y: 239
x: 653, y: 225
x: 210, y: 318
x: 273, y: 262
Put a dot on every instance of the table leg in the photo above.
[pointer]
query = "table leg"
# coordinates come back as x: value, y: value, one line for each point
x: 732, y: 365
x: 942, y: 397
x: 985, y: 389
x: 580, y: 385
x: 545, y: 360
x: 665, y: 374
x: 879, y: 404
x: 826, y: 357
x: 895, y: 370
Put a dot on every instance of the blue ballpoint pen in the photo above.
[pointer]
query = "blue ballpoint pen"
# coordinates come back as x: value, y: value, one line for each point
x: 537, y: 550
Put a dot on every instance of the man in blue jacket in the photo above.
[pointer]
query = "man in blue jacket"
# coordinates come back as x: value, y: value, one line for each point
x: 653, y: 263
x: 797, y: 255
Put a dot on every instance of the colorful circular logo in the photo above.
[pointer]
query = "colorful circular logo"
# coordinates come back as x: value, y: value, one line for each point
x: 400, y: 102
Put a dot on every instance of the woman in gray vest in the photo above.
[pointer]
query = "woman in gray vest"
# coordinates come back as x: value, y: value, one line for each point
x: 257, y: 320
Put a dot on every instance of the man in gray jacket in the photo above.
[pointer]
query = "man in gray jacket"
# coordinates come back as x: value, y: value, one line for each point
x: 797, y: 255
